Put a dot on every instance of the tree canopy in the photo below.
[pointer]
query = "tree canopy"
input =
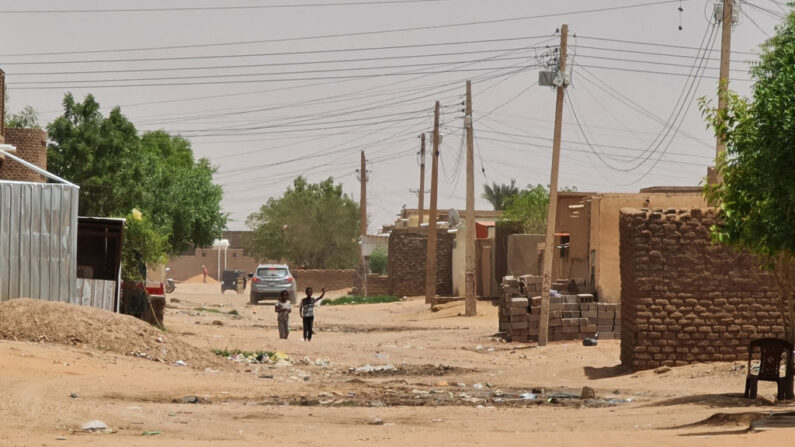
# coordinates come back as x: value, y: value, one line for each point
x: 119, y: 171
x: 527, y: 209
x: 499, y: 195
x: 313, y: 225
x: 756, y: 192
x: 25, y: 118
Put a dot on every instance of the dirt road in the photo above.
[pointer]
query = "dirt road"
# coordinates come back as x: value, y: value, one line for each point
x: 423, y: 378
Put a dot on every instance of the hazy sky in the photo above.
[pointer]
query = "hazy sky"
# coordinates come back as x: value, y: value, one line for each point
x: 278, y: 99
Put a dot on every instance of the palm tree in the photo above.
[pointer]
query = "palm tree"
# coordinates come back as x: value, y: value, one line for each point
x: 498, y: 195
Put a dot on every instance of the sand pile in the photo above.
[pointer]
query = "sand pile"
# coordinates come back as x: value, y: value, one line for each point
x: 68, y: 324
x: 198, y: 279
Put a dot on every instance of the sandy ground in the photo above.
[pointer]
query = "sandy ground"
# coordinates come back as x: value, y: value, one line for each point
x: 453, y: 384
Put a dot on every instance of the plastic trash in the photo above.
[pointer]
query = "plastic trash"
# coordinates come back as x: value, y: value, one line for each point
x: 94, y: 426
x: 478, y: 386
x: 528, y: 396
x: 180, y: 363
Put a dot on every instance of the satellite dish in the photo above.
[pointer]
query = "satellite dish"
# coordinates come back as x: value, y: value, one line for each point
x: 453, y: 219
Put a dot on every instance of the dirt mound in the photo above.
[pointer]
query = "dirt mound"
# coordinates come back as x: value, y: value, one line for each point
x: 198, y: 279
x: 68, y: 324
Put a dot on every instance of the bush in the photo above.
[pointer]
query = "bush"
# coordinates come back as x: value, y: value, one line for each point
x: 353, y: 299
x: 379, y: 259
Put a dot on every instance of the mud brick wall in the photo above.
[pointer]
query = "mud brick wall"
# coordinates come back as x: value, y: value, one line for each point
x: 408, y: 250
x: 2, y: 106
x: 331, y: 279
x: 376, y: 285
x: 31, y: 146
x: 685, y: 300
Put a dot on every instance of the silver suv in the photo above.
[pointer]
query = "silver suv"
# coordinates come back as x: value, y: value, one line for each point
x: 270, y: 280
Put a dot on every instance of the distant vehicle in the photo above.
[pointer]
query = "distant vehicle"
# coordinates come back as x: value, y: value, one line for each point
x: 270, y: 280
x: 233, y: 280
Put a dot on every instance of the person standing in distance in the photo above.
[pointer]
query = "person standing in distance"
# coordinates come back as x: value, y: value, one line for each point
x: 283, y: 309
x: 307, y: 310
x: 204, y: 273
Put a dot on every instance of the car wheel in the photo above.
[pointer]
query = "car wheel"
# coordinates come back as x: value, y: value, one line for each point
x: 254, y: 299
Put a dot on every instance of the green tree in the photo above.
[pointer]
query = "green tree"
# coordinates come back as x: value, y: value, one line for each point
x: 528, y: 210
x: 756, y: 193
x: 118, y: 171
x: 27, y: 118
x: 143, y: 244
x: 186, y: 201
x: 499, y: 195
x: 379, y: 260
x: 312, y: 226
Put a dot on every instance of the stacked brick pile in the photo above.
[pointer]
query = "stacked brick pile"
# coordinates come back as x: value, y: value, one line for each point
x: 571, y: 317
x: 509, y: 313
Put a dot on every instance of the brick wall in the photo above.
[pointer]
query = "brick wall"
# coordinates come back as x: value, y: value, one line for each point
x: 685, y: 300
x: 331, y: 279
x: 31, y: 145
x: 408, y: 250
x: 187, y: 266
x: 2, y: 106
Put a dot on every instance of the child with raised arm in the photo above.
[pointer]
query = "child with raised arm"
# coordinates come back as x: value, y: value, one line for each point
x: 308, y: 311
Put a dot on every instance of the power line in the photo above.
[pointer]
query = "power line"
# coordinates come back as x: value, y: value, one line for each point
x: 471, y: 23
x: 277, y: 73
x: 213, y: 8
x: 250, y: 81
x: 273, y: 53
x: 696, y: 70
x: 283, y: 53
x: 268, y: 64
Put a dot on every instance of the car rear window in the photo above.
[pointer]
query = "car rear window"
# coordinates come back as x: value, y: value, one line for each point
x: 272, y: 272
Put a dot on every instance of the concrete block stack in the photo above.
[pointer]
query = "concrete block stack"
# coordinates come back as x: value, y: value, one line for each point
x: 513, y: 308
x: 571, y: 317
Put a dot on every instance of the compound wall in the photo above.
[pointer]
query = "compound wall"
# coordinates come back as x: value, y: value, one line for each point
x: 684, y: 299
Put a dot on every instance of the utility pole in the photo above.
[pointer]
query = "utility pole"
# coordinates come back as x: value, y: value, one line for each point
x: 725, y: 60
x: 430, y: 260
x: 549, y: 245
x: 363, y: 197
x: 421, y: 206
x: 469, y: 279
x: 363, y: 220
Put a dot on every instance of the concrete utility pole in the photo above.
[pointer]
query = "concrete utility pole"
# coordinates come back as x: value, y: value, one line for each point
x: 363, y: 221
x: 549, y: 245
x: 430, y: 260
x: 469, y: 279
x: 421, y: 206
x: 725, y: 60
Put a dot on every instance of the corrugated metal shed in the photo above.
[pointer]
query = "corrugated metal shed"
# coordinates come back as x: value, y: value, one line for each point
x: 38, y: 241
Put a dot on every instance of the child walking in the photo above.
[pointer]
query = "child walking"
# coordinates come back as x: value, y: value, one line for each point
x: 308, y: 311
x: 283, y: 309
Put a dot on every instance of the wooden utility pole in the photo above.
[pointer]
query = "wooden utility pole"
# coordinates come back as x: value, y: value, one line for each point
x: 725, y: 61
x: 421, y: 206
x: 549, y: 245
x: 469, y: 278
x: 363, y: 221
x: 363, y: 197
x: 430, y: 260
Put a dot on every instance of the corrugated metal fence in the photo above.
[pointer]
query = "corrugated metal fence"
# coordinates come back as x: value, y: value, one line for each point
x: 38, y: 241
